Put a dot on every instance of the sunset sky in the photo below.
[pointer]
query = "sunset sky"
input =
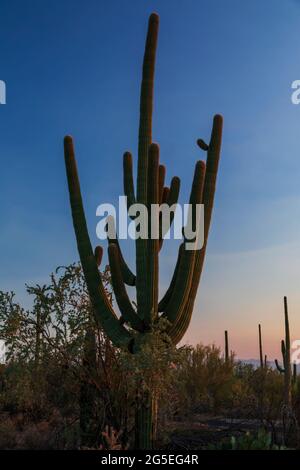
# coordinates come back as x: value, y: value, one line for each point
x: 74, y: 67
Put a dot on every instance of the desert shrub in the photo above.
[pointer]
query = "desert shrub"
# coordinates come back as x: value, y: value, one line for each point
x: 260, y: 440
x: 8, y: 435
x: 204, y: 380
x: 64, y: 385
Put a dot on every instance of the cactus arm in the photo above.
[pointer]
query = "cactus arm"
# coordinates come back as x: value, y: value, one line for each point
x: 153, y: 241
x: 126, y: 308
x: 161, y: 179
x: 279, y: 368
x: 104, y: 314
x: 283, y: 352
x: 166, y: 298
x: 128, y: 179
x: 171, y: 198
x: 180, y: 293
x: 178, y: 329
x: 98, y: 253
x: 145, y: 139
x: 174, y: 191
x: 212, y: 164
x: 165, y: 194
x: 128, y: 276
x: 146, y: 107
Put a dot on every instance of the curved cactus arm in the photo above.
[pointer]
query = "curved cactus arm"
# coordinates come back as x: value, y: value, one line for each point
x: 126, y: 308
x: 171, y: 197
x: 128, y: 276
x: 166, y: 298
x: 279, y: 368
x: 145, y: 139
x: 164, y: 199
x: 161, y: 181
x: 128, y: 179
x: 178, y: 329
x: 98, y: 253
x: 174, y: 191
x: 104, y: 313
x: 212, y: 164
x: 181, y: 290
x: 165, y: 194
x: 153, y: 241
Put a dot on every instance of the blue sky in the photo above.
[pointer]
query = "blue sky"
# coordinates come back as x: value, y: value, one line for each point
x: 74, y: 67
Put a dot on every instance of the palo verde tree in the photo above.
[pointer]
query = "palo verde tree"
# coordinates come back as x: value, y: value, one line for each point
x: 137, y: 322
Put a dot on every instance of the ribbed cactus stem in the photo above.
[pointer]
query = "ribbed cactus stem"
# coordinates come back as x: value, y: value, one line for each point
x: 145, y: 139
x: 128, y: 179
x: 151, y: 293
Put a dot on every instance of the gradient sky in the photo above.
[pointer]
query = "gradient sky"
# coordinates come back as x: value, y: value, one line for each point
x: 74, y: 67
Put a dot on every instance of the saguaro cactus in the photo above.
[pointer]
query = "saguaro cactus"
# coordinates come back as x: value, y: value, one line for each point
x: 286, y: 357
x: 260, y: 348
x: 226, y: 346
x: 294, y: 373
x: 176, y: 306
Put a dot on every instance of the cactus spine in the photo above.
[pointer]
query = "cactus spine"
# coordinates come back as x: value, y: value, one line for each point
x: 286, y: 357
x: 177, y: 304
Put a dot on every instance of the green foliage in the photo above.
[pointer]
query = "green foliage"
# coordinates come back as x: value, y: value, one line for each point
x: 204, y: 379
x: 262, y: 440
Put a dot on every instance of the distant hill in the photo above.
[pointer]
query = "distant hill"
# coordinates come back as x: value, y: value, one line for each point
x: 256, y: 363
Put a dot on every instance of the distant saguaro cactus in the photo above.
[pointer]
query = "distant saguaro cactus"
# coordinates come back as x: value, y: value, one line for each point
x: 226, y: 346
x: 260, y: 348
x: 286, y: 357
x: 294, y: 373
x: 176, y: 306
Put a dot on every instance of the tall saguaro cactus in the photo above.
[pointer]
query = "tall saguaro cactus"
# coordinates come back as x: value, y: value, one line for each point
x: 261, y: 360
x: 131, y: 329
x: 226, y: 346
x: 286, y: 357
